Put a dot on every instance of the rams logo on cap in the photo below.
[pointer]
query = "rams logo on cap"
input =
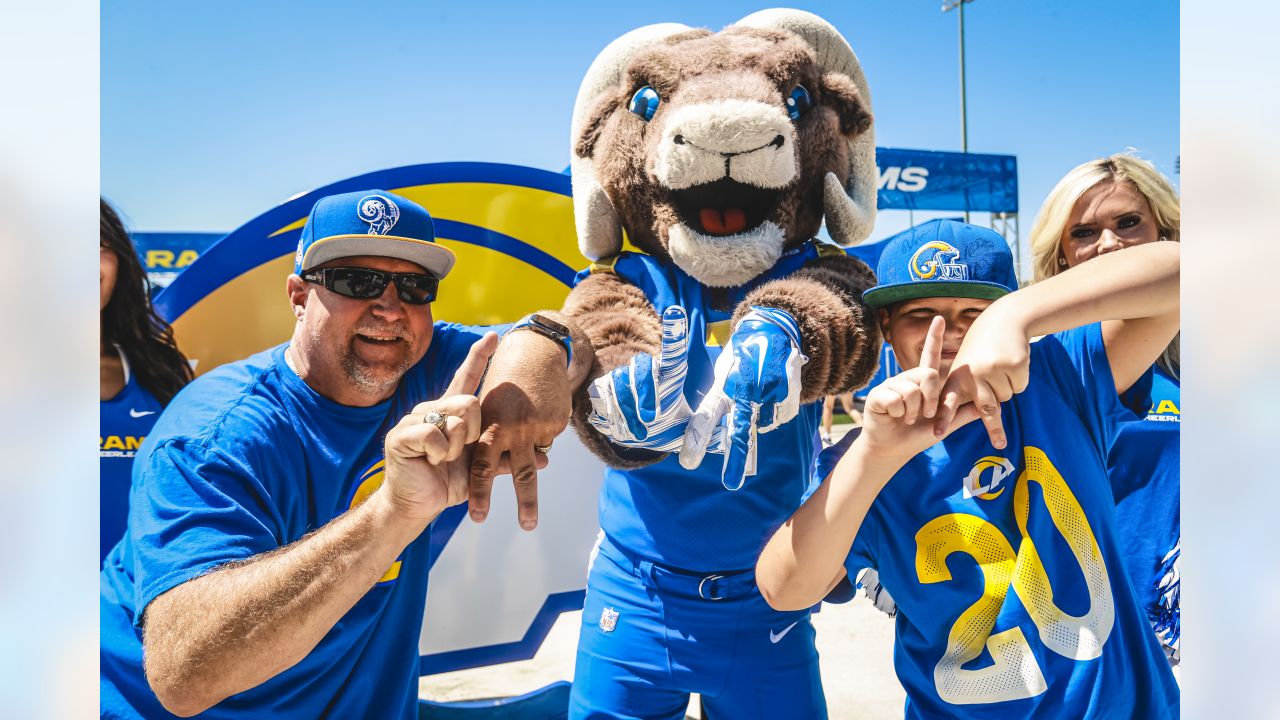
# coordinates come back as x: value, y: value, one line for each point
x: 937, y: 260
x: 379, y: 212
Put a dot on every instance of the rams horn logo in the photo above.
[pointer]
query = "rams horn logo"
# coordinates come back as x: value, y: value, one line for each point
x: 379, y: 212
x: 942, y: 263
x: 1000, y: 469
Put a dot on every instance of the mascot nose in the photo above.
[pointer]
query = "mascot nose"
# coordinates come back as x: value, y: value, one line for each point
x: 777, y: 141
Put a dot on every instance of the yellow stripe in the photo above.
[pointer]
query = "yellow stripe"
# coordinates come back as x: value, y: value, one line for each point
x: 606, y: 265
x: 718, y: 333
x: 392, y: 573
x: 826, y: 249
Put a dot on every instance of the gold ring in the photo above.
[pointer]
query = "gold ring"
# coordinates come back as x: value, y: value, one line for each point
x: 544, y: 449
x: 435, y: 417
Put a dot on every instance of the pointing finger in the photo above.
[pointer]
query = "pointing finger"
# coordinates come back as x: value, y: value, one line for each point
x: 524, y: 475
x: 484, y: 463
x: 989, y: 409
x: 701, y: 426
x: 931, y: 356
x: 467, y: 379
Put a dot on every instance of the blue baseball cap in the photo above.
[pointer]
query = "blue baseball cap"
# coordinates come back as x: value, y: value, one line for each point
x: 371, y: 222
x: 943, y: 258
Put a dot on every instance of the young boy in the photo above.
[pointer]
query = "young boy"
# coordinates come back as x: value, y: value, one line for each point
x: 996, y: 539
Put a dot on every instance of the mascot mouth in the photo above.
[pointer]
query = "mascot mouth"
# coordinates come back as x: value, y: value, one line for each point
x: 724, y: 207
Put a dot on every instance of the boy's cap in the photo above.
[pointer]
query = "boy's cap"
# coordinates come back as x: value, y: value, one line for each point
x: 371, y: 222
x: 943, y: 258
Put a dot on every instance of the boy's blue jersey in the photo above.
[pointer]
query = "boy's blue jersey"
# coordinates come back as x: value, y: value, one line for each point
x: 124, y: 422
x: 686, y: 518
x: 1006, y: 565
x: 247, y: 459
x: 1145, y: 471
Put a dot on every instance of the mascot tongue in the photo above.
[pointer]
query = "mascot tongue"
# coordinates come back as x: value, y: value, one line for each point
x: 723, y: 222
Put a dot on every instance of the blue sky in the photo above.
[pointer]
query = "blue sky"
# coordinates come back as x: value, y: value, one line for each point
x: 214, y: 112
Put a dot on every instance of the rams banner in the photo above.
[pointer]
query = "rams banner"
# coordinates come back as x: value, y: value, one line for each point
x: 932, y: 180
x: 165, y: 254
x: 495, y: 589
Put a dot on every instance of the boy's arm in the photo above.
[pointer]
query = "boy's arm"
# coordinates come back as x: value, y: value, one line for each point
x: 804, y: 558
x: 1133, y: 292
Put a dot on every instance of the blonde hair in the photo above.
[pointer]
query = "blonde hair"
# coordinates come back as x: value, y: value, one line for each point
x: 1051, y: 222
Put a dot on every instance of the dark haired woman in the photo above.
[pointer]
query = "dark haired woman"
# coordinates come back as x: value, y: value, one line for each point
x: 141, y: 369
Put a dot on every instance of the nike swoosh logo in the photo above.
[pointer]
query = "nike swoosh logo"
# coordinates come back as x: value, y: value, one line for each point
x: 774, y: 638
x: 144, y: 413
x: 763, y: 344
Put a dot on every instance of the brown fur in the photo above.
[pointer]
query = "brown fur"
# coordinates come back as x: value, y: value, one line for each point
x: 840, y: 336
x: 620, y: 323
x: 697, y: 66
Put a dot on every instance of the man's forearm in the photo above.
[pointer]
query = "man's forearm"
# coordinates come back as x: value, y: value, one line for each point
x: 242, y: 624
x: 798, y: 564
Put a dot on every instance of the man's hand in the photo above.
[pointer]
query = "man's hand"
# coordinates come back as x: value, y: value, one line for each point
x: 642, y: 404
x: 525, y: 403
x: 757, y: 376
x: 900, y: 416
x: 424, y: 475
x: 993, y: 365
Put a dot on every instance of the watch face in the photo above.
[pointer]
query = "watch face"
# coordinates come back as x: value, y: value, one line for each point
x: 549, y: 324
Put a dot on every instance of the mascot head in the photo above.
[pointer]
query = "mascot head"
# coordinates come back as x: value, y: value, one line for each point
x: 722, y: 150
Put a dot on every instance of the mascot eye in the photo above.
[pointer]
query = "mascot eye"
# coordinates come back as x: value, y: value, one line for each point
x: 645, y: 103
x: 798, y: 102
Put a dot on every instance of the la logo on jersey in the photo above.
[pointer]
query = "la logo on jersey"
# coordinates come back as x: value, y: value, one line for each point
x: 937, y: 261
x: 986, y: 480
x: 379, y: 212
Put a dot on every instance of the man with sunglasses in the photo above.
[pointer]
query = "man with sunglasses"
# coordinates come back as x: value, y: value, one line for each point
x: 275, y: 563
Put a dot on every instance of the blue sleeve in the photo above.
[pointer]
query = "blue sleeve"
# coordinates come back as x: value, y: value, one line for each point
x: 643, y: 271
x: 192, y: 510
x: 1075, y: 364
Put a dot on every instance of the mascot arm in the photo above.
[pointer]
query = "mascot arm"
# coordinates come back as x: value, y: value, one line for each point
x: 620, y: 323
x: 840, y: 334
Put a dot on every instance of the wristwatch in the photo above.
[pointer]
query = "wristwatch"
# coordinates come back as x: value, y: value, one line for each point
x: 547, y: 327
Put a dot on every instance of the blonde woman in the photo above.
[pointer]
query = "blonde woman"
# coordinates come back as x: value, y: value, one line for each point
x: 1097, y: 208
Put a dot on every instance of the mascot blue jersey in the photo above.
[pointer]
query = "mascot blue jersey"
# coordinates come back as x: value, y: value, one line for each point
x: 247, y: 459
x: 124, y: 422
x: 1145, y: 471
x: 1006, y: 565
x: 686, y: 519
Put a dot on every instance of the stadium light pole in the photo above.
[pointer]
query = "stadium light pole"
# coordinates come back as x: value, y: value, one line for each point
x: 964, y: 113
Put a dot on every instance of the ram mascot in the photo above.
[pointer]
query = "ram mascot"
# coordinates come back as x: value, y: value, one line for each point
x: 718, y: 155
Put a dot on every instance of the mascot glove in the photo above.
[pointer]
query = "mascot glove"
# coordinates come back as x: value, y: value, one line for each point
x: 641, y: 404
x: 756, y: 389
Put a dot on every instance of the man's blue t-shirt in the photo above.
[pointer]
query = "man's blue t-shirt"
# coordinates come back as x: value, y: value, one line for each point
x: 124, y: 422
x: 1006, y: 565
x: 247, y: 459
x: 1145, y: 471
x: 686, y: 519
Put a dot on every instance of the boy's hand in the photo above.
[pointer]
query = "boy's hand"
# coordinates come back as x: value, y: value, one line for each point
x: 900, y: 414
x: 993, y: 365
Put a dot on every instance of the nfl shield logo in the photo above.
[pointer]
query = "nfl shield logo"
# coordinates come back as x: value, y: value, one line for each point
x: 608, y: 619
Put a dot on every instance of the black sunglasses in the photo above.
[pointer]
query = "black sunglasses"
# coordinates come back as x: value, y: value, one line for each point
x: 365, y: 284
